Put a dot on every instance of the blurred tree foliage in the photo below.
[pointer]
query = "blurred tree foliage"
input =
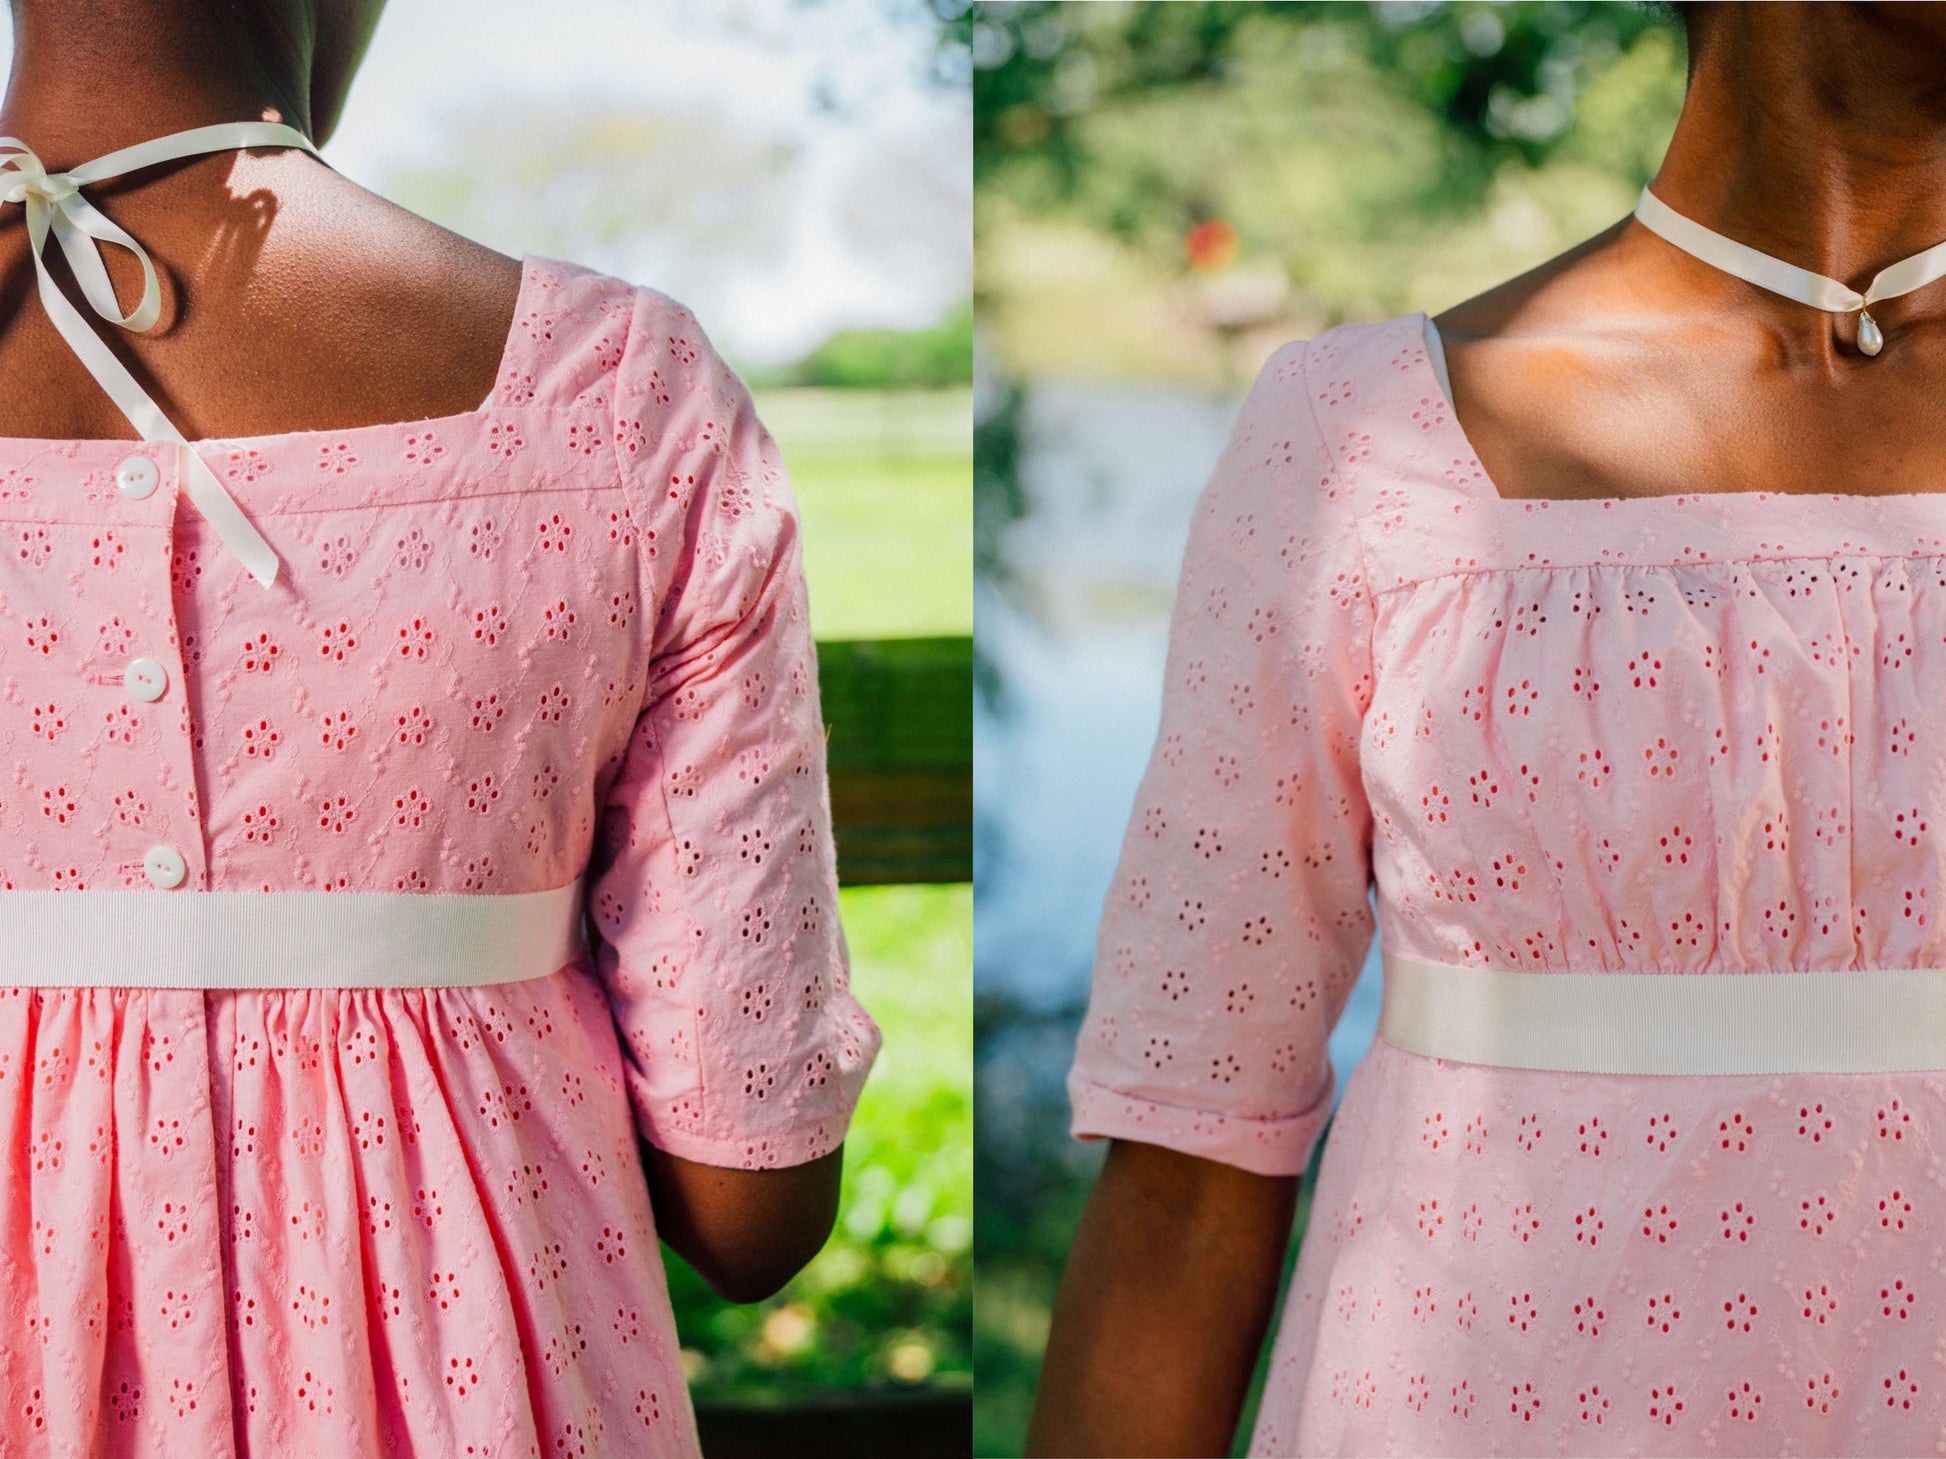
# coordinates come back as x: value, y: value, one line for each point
x: 886, y: 359
x: 1338, y: 139
x: 1500, y: 83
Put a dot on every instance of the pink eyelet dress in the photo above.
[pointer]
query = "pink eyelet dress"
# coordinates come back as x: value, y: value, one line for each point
x: 356, y: 925
x: 1645, y: 1158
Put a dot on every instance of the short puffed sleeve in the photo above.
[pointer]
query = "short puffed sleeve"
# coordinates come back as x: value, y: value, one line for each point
x: 1239, y: 913
x: 713, y: 881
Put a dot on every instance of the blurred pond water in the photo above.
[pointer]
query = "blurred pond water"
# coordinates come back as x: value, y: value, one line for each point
x: 1077, y: 639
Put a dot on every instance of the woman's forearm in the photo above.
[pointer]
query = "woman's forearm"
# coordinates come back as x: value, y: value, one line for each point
x: 746, y: 1232
x: 1163, y: 1307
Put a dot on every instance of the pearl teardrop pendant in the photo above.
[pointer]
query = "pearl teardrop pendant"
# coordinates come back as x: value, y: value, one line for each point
x: 1869, y: 339
x: 1818, y: 290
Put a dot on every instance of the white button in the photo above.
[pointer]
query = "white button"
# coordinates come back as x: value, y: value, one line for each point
x: 165, y: 867
x: 146, y: 679
x: 135, y: 477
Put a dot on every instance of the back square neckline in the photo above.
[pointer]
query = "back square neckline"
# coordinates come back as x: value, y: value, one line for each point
x: 1430, y: 360
x: 509, y: 354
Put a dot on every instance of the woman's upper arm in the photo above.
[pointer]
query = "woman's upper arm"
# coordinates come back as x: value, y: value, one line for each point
x: 714, y: 880
x: 1238, y: 917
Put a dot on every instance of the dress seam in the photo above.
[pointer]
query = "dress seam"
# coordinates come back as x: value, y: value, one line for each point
x: 1368, y: 612
x: 1741, y: 561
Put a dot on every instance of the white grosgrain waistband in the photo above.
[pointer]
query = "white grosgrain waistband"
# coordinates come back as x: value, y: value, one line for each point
x: 192, y: 939
x: 1868, y: 1020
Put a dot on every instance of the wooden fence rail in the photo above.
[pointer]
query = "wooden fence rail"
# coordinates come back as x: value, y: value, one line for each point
x: 898, y: 717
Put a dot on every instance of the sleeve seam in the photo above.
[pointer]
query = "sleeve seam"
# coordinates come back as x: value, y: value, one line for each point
x: 682, y: 897
x: 1338, y: 476
x: 644, y: 584
x: 615, y: 406
x: 637, y: 505
x: 645, y: 711
x: 1364, y: 571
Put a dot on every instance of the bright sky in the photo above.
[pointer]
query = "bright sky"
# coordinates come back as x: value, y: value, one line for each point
x: 755, y: 67
x: 750, y: 64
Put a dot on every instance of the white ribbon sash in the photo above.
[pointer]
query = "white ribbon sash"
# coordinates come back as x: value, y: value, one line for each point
x: 54, y: 204
x: 187, y: 939
x: 1872, y: 1020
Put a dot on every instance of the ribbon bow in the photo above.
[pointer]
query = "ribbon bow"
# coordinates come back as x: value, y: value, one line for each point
x: 53, y: 203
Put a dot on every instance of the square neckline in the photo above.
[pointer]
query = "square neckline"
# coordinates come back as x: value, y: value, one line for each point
x: 1436, y: 373
x: 529, y: 270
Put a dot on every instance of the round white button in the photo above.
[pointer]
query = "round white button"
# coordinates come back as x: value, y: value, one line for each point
x: 135, y: 477
x: 165, y: 867
x: 145, y: 679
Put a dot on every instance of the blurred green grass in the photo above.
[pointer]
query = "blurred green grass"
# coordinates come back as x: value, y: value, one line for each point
x: 890, y: 1298
x: 884, y: 488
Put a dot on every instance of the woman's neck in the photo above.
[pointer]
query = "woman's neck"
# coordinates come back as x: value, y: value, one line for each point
x: 1816, y: 133
x: 90, y: 77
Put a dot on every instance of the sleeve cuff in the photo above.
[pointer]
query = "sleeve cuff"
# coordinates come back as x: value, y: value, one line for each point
x: 810, y: 1133
x: 757, y: 1152
x: 1277, y: 1146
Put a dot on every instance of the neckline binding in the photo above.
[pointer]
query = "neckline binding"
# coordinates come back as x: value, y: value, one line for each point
x: 272, y: 439
x: 1430, y: 358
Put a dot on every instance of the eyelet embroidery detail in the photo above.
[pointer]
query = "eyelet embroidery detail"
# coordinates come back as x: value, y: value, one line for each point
x: 1686, y: 735
x: 501, y: 658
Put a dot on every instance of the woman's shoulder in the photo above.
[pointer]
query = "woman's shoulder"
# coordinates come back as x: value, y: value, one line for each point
x: 1319, y: 404
x: 1367, y: 371
x: 1366, y: 358
x: 677, y: 413
x: 584, y: 337
x: 1292, y: 483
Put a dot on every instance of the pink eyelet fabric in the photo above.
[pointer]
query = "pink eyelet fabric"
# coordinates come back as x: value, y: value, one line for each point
x: 562, y: 637
x: 1693, y: 735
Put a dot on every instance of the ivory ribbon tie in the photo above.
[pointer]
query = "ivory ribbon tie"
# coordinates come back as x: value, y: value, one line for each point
x: 1807, y: 286
x: 53, y: 203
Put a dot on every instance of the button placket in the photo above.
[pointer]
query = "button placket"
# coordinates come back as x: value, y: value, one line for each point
x: 165, y: 850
